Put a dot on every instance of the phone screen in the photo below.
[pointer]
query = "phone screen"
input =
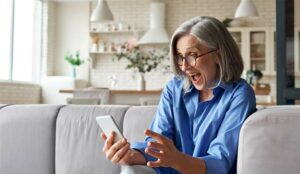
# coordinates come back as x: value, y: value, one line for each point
x: 108, y: 125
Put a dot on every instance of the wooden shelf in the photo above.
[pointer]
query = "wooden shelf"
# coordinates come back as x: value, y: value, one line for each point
x: 266, y: 103
x: 257, y: 43
x: 262, y: 89
x: 258, y: 59
x: 116, y: 37
x: 114, y: 32
x: 136, y: 92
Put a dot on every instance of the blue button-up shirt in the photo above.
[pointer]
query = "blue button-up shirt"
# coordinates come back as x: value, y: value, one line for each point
x: 207, y: 130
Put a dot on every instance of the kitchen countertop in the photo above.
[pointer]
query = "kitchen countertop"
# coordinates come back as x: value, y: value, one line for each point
x: 120, y: 91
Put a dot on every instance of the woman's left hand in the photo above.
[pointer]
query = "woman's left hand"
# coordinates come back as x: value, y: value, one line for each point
x: 163, y: 149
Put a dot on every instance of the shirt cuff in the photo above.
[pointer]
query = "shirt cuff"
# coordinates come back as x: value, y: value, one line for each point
x: 141, y: 146
x: 213, y: 165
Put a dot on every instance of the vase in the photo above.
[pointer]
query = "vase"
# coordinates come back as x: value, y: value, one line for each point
x: 141, y: 83
x: 74, y: 71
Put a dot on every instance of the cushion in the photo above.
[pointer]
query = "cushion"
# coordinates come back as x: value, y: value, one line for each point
x: 78, y: 142
x: 138, y: 119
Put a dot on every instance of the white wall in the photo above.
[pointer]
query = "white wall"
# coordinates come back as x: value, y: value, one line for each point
x: 71, y: 34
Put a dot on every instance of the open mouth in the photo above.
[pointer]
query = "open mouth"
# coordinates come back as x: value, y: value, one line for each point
x: 196, y: 77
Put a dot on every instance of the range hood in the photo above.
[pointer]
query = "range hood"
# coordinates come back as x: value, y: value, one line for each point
x: 157, y: 33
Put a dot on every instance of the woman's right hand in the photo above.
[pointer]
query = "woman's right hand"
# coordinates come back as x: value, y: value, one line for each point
x: 118, y: 152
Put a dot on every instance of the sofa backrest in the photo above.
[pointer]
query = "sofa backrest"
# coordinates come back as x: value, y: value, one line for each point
x: 136, y: 120
x: 53, y: 139
x: 27, y: 139
x: 269, y: 142
x: 78, y: 142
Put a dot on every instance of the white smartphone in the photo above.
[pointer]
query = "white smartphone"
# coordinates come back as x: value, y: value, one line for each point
x: 108, y: 125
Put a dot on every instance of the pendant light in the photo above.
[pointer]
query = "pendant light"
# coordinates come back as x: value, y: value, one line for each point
x: 102, y: 12
x: 246, y: 8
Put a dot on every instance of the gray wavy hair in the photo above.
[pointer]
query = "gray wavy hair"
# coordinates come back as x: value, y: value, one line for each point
x: 213, y: 34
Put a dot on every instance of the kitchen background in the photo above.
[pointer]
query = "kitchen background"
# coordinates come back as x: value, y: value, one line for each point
x: 67, y: 28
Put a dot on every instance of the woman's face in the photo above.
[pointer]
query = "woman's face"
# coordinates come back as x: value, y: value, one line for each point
x: 202, y: 72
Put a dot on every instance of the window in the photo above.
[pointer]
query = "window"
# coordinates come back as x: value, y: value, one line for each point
x: 5, y: 41
x: 20, y: 44
x: 286, y: 19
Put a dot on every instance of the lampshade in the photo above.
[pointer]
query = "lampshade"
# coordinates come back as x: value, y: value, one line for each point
x: 246, y: 8
x: 102, y: 12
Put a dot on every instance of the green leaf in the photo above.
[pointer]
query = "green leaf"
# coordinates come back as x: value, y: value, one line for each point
x: 73, y: 61
x: 142, y: 61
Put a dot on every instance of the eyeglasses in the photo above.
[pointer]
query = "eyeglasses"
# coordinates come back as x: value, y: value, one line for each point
x: 191, y: 59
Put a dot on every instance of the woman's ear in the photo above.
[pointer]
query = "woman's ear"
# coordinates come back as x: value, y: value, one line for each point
x: 217, y: 57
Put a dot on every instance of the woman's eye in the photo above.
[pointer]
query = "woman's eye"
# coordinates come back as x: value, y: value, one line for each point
x: 193, y: 54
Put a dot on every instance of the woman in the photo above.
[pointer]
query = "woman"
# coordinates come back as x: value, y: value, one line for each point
x: 201, y: 110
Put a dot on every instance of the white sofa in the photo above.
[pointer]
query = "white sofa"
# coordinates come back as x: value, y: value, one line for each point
x: 65, y: 139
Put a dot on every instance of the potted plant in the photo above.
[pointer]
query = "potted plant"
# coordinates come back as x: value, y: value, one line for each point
x: 141, y: 61
x: 253, y: 76
x: 74, y: 61
x: 227, y: 21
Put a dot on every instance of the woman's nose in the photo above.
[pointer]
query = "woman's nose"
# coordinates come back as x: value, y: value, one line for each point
x: 185, y: 65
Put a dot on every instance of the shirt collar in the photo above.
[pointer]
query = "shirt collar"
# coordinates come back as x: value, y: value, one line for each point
x: 223, y: 85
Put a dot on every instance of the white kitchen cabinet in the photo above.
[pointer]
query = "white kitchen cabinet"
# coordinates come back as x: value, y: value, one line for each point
x: 258, y: 47
x: 255, y: 46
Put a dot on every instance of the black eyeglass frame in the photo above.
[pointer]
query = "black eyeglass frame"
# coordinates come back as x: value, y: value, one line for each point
x: 195, y: 58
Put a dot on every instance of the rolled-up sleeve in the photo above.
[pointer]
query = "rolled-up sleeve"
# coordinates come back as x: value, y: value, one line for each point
x: 222, y: 151
x: 162, y: 122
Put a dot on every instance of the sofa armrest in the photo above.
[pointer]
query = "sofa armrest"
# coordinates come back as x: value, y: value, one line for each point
x: 269, y: 142
x: 27, y: 139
